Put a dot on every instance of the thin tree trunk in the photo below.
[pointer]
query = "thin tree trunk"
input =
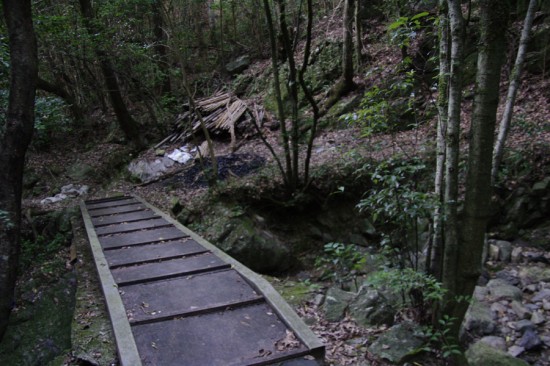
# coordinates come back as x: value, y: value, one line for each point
x: 347, y: 57
x: 127, y: 124
x: 452, y: 149
x: 15, y: 137
x: 436, y: 254
x: 307, y: 91
x: 292, y: 88
x: 277, y: 89
x: 358, y: 32
x: 493, y: 25
x: 63, y: 94
x: 512, y: 91
x: 161, y: 48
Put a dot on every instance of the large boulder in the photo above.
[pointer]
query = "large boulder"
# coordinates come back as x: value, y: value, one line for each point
x: 147, y: 171
x: 500, y: 289
x: 478, y: 320
x: 258, y: 249
x: 336, y: 303
x: 481, y: 354
x: 371, y: 307
x: 398, y: 343
x: 238, y: 65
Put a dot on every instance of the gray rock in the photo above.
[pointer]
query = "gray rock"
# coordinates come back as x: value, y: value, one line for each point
x: 336, y: 303
x: 238, y: 65
x: 516, y: 255
x: 516, y: 350
x: 397, y: 343
x: 480, y: 293
x: 521, y: 311
x: 498, y: 308
x: 146, y: 171
x: 80, y: 171
x: 495, y: 342
x: 494, y: 252
x: 530, y: 340
x: 510, y: 276
x: 533, y: 275
x: 523, y: 325
x: 505, y: 250
x: 500, y: 289
x: 480, y: 354
x: 371, y: 307
x: 542, y: 295
x: 478, y: 320
x: 538, y: 318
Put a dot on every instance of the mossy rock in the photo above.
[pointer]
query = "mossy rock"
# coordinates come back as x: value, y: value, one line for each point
x: 481, y: 354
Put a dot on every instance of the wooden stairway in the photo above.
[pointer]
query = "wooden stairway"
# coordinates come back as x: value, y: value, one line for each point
x: 175, y: 299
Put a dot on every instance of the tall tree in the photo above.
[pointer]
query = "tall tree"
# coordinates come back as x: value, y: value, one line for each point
x: 15, y: 136
x: 463, y: 266
x: 512, y: 91
x: 127, y: 123
x: 436, y: 251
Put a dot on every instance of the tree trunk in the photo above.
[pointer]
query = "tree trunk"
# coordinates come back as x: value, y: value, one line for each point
x: 358, y: 32
x: 161, y: 48
x: 127, y: 124
x: 452, y: 149
x: 436, y: 254
x: 63, y: 94
x: 493, y: 25
x: 512, y: 91
x: 15, y: 137
x: 347, y: 57
x: 277, y: 90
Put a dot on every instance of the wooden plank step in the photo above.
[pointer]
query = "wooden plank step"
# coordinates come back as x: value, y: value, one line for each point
x: 117, y: 210
x: 89, y: 203
x: 126, y: 217
x: 153, y: 252
x: 126, y: 227
x: 242, y: 336
x: 182, y: 296
x: 167, y: 269
x: 115, y: 203
x: 141, y: 237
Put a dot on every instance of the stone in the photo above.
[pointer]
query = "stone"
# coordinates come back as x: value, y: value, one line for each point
x: 481, y: 354
x: 371, y: 307
x: 238, y: 65
x: 494, y: 252
x: 499, y: 309
x: 147, y: 171
x: 520, y: 310
x: 516, y: 255
x: 336, y: 303
x: 546, y: 304
x: 480, y: 293
x: 533, y: 275
x: 397, y: 343
x: 510, y: 276
x: 538, y: 318
x: 504, y: 250
x: 541, y: 295
x: 478, y: 320
x: 500, y: 289
x: 495, y: 342
x: 523, y: 325
x: 530, y: 340
x: 516, y: 350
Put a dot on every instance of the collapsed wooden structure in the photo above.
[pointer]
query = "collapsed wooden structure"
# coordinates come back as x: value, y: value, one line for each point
x: 220, y: 113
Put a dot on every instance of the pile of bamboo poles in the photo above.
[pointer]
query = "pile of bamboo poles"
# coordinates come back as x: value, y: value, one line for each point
x: 220, y: 112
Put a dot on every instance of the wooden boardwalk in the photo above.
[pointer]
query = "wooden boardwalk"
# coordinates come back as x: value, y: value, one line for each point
x: 175, y: 299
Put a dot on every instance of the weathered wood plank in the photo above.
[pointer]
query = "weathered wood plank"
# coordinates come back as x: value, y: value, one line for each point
x: 126, y: 227
x: 242, y: 336
x: 117, y: 210
x: 153, y: 252
x: 168, y: 269
x: 186, y: 295
x: 141, y: 237
x: 121, y: 202
x: 126, y: 217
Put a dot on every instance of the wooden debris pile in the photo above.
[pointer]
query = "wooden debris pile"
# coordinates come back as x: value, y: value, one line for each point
x: 220, y: 113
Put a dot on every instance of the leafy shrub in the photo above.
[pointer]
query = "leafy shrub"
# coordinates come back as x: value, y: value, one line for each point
x: 50, y: 121
x: 41, y: 249
x: 340, y: 263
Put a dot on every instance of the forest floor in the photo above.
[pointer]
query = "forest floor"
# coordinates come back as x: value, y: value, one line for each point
x: 529, y: 143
